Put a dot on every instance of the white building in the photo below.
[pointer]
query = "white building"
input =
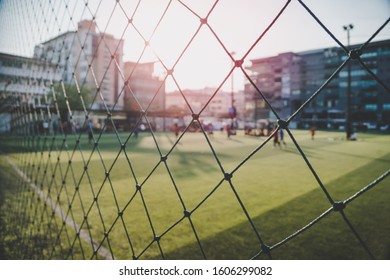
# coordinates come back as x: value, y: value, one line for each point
x: 92, y: 59
x: 24, y: 75
x: 203, y: 99
x: 24, y: 82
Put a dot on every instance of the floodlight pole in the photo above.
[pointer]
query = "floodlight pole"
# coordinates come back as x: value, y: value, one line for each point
x: 232, y: 83
x: 348, y: 126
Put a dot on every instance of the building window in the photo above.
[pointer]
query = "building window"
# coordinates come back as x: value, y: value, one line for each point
x: 386, y: 106
x: 370, y: 54
x: 371, y: 107
x: 361, y: 84
x: 355, y: 73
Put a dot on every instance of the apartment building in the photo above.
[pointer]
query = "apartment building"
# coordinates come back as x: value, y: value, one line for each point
x: 217, y: 105
x: 25, y: 75
x: 24, y: 82
x: 90, y: 58
x: 143, y: 90
x: 287, y: 81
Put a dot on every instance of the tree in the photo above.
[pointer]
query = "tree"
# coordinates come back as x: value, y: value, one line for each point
x: 75, y: 96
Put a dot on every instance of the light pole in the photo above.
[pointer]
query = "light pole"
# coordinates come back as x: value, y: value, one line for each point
x: 232, y: 83
x: 232, y: 110
x: 348, y: 126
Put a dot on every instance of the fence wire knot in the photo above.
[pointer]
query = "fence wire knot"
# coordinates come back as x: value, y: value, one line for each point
x: 228, y: 176
x: 187, y: 213
x: 266, y: 249
x: 282, y: 124
x: 338, y: 206
x: 355, y: 53
x: 195, y: 117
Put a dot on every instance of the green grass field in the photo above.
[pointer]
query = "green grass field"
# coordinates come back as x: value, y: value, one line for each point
x: 275, y: 185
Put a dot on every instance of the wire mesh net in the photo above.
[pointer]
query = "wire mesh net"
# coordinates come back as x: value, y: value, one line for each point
x: 100, y: 176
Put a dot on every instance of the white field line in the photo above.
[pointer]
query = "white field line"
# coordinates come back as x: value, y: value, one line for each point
x: 84, y: 235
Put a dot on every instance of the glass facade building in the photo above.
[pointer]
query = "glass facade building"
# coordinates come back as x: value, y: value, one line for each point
x: 288, y: 80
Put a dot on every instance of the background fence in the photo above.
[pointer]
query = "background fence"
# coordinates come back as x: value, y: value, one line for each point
x: 89, y: 183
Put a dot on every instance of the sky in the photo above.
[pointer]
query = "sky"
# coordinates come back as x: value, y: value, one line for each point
x: 232, y: 27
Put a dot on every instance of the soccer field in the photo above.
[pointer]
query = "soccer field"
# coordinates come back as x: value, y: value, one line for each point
x: 151, y: 197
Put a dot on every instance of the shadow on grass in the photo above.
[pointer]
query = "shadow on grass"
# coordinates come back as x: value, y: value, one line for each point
x: 331, y: 238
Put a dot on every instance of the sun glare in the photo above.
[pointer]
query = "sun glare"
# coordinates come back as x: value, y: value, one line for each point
x: 176, y: 39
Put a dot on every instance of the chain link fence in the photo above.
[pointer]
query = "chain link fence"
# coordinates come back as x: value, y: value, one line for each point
x: 97, y: 181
